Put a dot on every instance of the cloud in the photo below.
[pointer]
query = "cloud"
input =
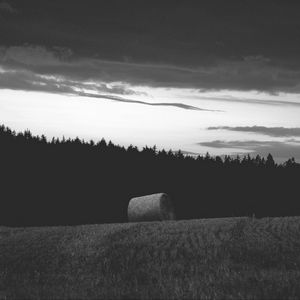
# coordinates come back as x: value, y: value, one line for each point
x: 279, y: 149
x: 30, y: 55
x: 190, y: 33
x: 207, y: 44
x: 270, y: 131
x: 236, y: 74
x: 247, y: 100
x: 7, y: 7
x: 120, y: 99
x: 27, y: 80
x: 293, y: 141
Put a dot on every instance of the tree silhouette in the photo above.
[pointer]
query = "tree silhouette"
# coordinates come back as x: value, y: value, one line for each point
x: 75, y: 182
x: 270, y: 161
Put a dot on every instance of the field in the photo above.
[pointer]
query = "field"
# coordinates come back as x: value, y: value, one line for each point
x: 229, y: 258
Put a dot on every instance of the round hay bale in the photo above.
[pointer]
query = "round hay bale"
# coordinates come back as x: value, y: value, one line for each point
x: 156, y: 207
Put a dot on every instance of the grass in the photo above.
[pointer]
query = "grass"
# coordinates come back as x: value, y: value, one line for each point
x: 229, y: 258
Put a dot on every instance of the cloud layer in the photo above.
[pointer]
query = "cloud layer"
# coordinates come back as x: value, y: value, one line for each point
x: 270, y: 131
x: 7, y: 8
x: 249, y: 45
x: 280, y: 150
x: 253, y: 73
x: 28, y: 80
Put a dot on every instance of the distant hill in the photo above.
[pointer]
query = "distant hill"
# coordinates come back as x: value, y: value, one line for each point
x: 61, y: 182
x: 231, y: 258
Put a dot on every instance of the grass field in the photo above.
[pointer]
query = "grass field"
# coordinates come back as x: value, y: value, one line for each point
x: 229, y: 258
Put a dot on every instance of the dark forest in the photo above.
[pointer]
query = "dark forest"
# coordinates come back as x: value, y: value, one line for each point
x: 66, y: 182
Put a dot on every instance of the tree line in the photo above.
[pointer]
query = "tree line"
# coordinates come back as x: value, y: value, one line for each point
x: 71, y: 181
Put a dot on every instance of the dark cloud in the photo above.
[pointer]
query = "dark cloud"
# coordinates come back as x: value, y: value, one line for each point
x: 270, y: 131
x: 280, y: 150
x: 7, y: 8
x: 30, y: 55
x: 119, y: 99
x: 211, y: 44
x: 247, y: 74
x: 174, y: 28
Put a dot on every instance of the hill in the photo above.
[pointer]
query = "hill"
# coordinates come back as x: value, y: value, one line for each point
x: 225, y: 258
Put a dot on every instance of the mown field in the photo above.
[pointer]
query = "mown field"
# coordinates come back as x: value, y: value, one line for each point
x: 231, y: 258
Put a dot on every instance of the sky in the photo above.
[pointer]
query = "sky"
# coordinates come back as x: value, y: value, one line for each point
x: 202, y: 76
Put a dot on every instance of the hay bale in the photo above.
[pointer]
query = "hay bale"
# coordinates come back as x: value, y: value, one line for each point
x: 156, y: 207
